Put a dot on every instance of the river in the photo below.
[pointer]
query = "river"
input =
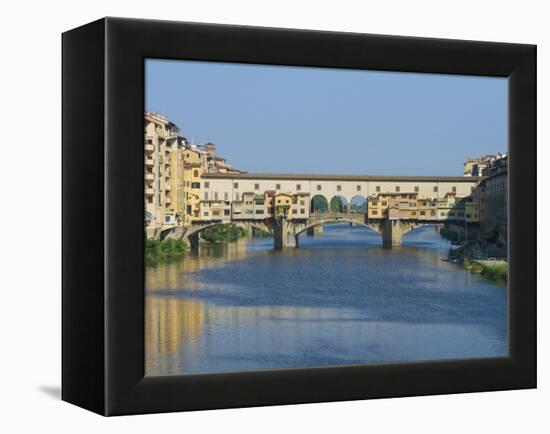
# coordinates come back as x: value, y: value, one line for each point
x: 339, y: 299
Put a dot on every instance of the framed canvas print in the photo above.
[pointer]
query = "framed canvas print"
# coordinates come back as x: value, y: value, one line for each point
x: 257, y: 216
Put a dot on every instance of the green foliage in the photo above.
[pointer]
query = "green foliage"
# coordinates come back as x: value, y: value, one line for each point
x: 223, y: 233
x: 157, y: 252
x: 497, y: 272
x: 319, y: 204
x: 476, y: 268
x: 468, y: 252
x: 449, y: 235
x: 258, y: 233
x: 338, y: 204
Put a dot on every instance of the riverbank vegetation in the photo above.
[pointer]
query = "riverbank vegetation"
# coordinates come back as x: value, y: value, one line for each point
x: 473, y: 257
x: 497, y: 272
x: 449, y: 234
x: 223, y: 233
x: 158, y: 252
x: 258, y: 233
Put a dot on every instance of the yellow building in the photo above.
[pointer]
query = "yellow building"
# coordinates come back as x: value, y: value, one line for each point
x: 427, y: 209
x: 393, y: 206
x: 192, y: 171
x: 162, y: 138
x: 282, y: 204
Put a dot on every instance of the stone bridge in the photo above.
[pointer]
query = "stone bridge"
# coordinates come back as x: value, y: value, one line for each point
x: 286, y: 232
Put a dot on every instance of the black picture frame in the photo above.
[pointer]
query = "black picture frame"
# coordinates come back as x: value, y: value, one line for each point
x: 103, y: 263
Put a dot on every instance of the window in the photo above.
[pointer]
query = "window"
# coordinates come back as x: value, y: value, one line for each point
x: 215, y: 195
x: 226, y: 212
x: 256, y: 186
x: 205, y: 195
x: 432, y: 213
x: 277, y: 186
x: 422, y: 212
x: 454, y: 189
x: 416, y: 189
x: 149, y: 141
x: 149, y: 200
x: 397, y: 188
x: 188, y: 209
x: 259, y: 211
x: 195, y: 185
x: 374, y: 212
x: 235, y: 185
x: 338, y: 188
x: 302, y: 211
x: 195, y: 173
x: 206, y: 184
x: 377, y: 188
x: 411, y: 204
x: 236, y: 196
x: 216, y: 212
x: 413, y: 212
x: 302, y: 202
x: 435, y: 189
x: 384, y: 203
x: 226, y: 196
x: 205, y: 213
x: 298, y: 187
x: 318, y: 187
x: 358, y: 188
x: 468, y: 216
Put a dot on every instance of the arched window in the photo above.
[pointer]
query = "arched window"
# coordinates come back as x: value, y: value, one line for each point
x: 195, y: 173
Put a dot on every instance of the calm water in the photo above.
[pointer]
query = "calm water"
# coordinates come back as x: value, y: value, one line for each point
x: 338, y: 299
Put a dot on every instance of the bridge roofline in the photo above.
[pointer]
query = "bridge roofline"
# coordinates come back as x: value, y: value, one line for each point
x: 359, y: 178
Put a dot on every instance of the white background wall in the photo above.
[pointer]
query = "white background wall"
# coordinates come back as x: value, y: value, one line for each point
x: 30, y: 81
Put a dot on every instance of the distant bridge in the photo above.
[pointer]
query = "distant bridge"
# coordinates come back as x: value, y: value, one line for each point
x: 220, y: 195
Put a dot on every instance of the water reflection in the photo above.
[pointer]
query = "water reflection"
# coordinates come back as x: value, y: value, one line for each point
x: 338, y: 299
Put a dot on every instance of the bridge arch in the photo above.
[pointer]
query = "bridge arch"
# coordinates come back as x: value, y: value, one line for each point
x: 319, y: 204
x: 246, y: 225
x: 339, y: 203
x: 358, y: 204
x: 337, y: 219
x: 196, y: 229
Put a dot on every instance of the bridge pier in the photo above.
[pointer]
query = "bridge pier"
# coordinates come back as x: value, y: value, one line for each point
x: 315, y: 231
x: 391, y: 234
x: 283, y: 234
x: 194, y: 240
x: 393, y: 231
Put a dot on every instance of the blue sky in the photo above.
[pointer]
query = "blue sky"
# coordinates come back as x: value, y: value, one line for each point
x: 314, y: 120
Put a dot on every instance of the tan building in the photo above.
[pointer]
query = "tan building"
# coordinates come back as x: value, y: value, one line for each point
x: 163, y: 181
x: 393, y: 206
x: 283, y: 205
x: 192, y: 172
x: 493, y: 192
